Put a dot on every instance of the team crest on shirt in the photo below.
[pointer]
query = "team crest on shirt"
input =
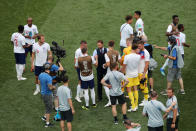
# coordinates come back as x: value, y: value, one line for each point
x: 142, y: 54
x: 37, y: 51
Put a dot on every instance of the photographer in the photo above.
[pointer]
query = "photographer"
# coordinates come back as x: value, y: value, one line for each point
x: 65, y: 104
x: 175, y: 64
x: 53, y: 73
x: 41, y: 50
x: 152, y: 110
x: 45, y: 81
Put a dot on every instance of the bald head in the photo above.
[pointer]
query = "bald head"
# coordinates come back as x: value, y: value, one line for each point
x: 29, y: 21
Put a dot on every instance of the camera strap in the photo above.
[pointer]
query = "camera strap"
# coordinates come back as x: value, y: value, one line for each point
x: 155, y: 106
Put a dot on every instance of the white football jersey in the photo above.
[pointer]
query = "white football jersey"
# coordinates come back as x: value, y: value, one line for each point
x: 19, y: 41
x: 31, y: 31
x: 139, y: 24
x: 144, y: 58
x: 41, y: 53
x: 180, y: 39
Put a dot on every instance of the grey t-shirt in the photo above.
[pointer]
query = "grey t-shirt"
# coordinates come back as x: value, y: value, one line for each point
x: 169, y: 103
x: 64, y: 94
x: 135, y: 129
x: 115, y: 79
x: 153, y: 108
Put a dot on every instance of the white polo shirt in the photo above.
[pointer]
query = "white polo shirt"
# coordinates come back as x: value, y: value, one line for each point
x: 145, y: 57
x: 132, y: 65
x: 126, y: 30
x: 19, y: 41
x: 31, y: 31
x: 41, y: 53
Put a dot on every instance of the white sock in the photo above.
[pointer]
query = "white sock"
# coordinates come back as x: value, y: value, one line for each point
x: 17, y: 70
x: 78, y: 91
x: 165, y: 64
x: 21, y: 68
x: 86, y: 97
x: 47, y: 123
x: 37, y: 87
x: 107, y: 92
x: 93, y: 95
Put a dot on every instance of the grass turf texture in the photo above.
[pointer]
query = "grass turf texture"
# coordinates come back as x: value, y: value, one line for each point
x: 90, y: 20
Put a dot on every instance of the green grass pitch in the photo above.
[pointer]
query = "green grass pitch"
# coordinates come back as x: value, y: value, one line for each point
x: 91, y: 20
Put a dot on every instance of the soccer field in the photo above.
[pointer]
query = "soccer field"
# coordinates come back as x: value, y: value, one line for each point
x: 90, y: 20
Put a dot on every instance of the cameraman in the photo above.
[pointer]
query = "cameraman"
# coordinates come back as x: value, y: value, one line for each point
x: 45, y: 81
x: 175, y: 64
x: 53, y: 73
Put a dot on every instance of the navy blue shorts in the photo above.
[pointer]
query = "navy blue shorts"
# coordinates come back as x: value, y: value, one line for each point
x: 20, y: 58
x: 78, y: 72
x: 39, y: 70
x: 29, y: 49
x: 87, y: 84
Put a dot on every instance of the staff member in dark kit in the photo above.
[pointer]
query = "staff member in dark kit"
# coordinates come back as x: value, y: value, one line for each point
x: 99, y: 54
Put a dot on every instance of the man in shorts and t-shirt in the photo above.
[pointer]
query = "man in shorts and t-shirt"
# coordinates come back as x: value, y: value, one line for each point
x: 85, y: 63
x: 143, y: 71
x: 30, y: 34
x: 18, y: 41
x: 126, y: 31
x: 41, y: 50
x: 78, y: 53
x: 65, y: 104
x: 130, y: 68
x: 45, y: 81
x: 115, y: 78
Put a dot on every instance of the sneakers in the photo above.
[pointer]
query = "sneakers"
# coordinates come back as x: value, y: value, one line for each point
x: 143, y: 103
x: 78, y: 99
x: 85, y: 108
x: 48, y: 125
x: 182, y: 92
x: 43, y: 118
x: 116, y: 122
x: 21, y: 78
x: 164, y: 92
x: 162, y: 71
x: 36, y: 91
x: 132, y: 110
x: 108, y: 104
x: 94, y: 105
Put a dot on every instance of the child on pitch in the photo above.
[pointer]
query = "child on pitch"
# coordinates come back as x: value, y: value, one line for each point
x: 130, y: 68
x: 65, y: 104
x: 115, y: 78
